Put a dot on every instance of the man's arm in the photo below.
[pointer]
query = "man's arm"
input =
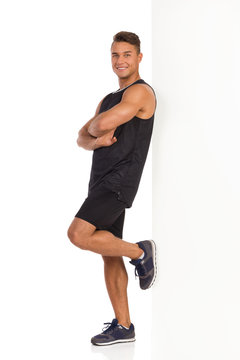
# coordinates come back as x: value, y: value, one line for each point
x: 89, y: 142
x: 85, y: 140
x: 131, y: 103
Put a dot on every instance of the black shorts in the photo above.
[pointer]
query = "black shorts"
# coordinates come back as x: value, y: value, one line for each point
x: 103, y: 209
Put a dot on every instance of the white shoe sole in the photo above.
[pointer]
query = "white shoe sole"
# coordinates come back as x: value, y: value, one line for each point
x: 115, y: 342
x: 154, y: 250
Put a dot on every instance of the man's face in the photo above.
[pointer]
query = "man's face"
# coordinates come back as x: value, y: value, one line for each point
x: 125, y: 59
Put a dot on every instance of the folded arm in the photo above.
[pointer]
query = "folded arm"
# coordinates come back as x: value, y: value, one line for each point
x: 85, y: 140
x: 90, y: 142
x: 131, y: 103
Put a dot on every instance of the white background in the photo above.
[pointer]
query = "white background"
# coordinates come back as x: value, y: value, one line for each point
x: 196, y: 150
x: 55, y: 68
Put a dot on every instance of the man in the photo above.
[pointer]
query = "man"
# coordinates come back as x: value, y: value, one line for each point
x: 119, y: 134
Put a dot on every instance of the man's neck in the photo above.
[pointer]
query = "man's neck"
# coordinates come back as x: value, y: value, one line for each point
x: 126, y: 82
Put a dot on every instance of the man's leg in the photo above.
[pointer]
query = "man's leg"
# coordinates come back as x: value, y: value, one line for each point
x: 85, y: 236
x: 116, y: 282
x: 116, y: 277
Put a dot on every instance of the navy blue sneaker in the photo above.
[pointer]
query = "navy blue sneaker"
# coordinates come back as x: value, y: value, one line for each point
x: 146, y: 268
x: 113, y: 334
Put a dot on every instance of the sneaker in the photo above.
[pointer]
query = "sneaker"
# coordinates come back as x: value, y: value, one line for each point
x: 146, y: 268
x: 113, y: 334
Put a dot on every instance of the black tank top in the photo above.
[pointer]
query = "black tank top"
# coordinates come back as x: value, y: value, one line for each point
x: 119, y: 167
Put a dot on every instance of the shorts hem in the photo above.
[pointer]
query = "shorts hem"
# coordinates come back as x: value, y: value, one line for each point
x: 118, y: 235
x: 86, y: 219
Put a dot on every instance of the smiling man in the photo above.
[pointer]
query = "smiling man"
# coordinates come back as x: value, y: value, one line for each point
x: 119, y: 135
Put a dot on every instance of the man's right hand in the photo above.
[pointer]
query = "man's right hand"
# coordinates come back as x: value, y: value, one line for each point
x: 105, y: 140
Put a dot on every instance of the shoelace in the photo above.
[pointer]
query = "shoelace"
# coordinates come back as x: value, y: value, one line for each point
x: 109, y: 326
x: 139, y: 271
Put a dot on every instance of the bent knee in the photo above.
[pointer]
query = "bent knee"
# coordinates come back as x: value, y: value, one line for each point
x: 77, y: 238
x: 73, y: 235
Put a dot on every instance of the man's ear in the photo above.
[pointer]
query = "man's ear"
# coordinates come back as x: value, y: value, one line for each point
x: 140, y: 56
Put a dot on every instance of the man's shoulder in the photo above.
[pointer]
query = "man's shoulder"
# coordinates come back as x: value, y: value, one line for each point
x: 140, y: 91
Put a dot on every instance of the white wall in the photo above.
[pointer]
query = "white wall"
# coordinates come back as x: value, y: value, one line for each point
x: 196, y: 176
x: 54, y: 69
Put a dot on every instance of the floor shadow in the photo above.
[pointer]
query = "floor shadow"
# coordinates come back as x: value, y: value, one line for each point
x: 116, y: 352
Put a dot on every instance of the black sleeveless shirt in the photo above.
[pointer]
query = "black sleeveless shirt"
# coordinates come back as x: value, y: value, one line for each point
x: 118, y: 168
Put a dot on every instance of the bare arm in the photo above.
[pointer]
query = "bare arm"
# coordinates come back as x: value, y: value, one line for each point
x: 85, y: 140
x: 90, y: 142
x: 132, y: 102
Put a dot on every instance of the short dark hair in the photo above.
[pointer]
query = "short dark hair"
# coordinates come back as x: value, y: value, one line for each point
x: 128, y: 37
